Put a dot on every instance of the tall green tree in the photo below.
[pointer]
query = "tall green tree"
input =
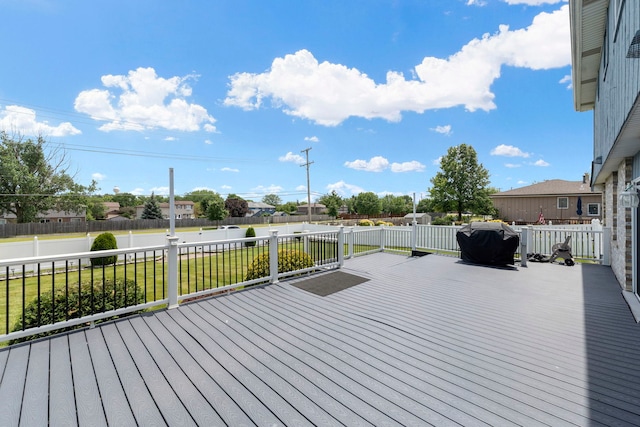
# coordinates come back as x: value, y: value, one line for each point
x: 126, y: 199
x: 461, y: 184
x: 368, y: 203
x: 396, y: 204
x: 33, y: 182
x: 289, y: 207
x: 332, y: 201
x: 272, y: 199
x: 216, y: 208
x: 152, y: 209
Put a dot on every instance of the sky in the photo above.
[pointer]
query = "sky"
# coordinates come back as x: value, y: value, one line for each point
x: 230, y: 94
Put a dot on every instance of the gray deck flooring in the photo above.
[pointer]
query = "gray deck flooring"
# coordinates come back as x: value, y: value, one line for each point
x: 425, y: 341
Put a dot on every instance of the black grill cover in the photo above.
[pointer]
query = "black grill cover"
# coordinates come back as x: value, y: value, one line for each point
x: 491, y: 243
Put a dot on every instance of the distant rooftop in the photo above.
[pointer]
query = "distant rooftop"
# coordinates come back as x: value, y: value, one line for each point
x: 549, y: 188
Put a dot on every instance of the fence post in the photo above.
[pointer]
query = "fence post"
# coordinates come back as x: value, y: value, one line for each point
x: 172, y: 271
x: 341, y: 246
x: 414, y: 237
x: 130, y: 239
x: 350, y: 237
x: 382, y: 236
x: 305, y: 241
x: 529, y: 239
x: 273, y: 256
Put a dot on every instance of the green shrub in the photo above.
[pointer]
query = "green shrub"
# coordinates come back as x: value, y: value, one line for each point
x: 288, y: 260
x: 365, y: 223
x: 250, y: 233
x: 103, y: 242
x: 385, y: 223
x: 89, y: 298
x: 446, y: 220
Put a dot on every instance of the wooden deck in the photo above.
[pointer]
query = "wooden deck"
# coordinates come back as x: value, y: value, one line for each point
x: 425, y: 341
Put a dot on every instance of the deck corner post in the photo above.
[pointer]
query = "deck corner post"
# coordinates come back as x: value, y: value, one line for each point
x: 172, y: 271
x: 340, y: 246
x: 524, y: 241
x: 273, y: 256
x: 350, y: 243
x: 382, y: 237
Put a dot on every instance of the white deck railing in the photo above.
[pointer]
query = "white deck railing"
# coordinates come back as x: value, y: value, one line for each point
x: 177, y: 271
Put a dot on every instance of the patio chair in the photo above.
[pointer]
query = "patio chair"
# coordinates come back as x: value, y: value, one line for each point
x: 562, y: 250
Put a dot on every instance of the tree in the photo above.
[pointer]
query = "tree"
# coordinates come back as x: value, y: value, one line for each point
x: 216, y: 208
x: 272, y: 199
x: 289, y: 207
x: 152, y: 209
x: 32, y: 182
x: 425, y: 206
x: 396, y: 204
x: 332, y: 201
x: 461, y: 183
x: 126, y: 200
x: 236, y: 206
x: 367, y: 203
x: 95, y: 209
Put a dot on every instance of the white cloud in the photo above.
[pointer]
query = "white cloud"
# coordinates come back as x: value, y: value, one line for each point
x: 226, y: 187
x: 203, y: 189
x: 412, y: 166
x: 521, y: 182
x: 22, y: 121
x: 293, y: 158
x: 344, y: 189
x: 328, y: 93
x: 137, y: 191
x: 445, y: 130
x: 142, y: 100
x: 376, y: 164
x: 436, y: 162
x: 229, y: 170
x: 532, y: 2
x: 301, y: 188
x: 98, y: 176
x: 476, y: 3
x: 508, y: 151
x: 512, y: 165
x: 567, y: 80
x: 170, y: 138
x: 541, y: 163
x: 208, y: 141
x: 160, y: 191
x: 311, y: 138
x: 271, y: 189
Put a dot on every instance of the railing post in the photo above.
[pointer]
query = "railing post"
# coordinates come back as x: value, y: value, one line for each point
x: 350, y: 237
x: 524, y: 240
x: 305, y: 241
x: 529, y: 239
x: 172, y: 271
x: 382, y: 236
x: 414, y: 237
x: 273, y: 256
x: 341, y: 246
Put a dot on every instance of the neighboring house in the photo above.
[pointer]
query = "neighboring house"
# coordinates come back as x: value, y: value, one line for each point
x: 556, y: 199
x: 111, y: 210
x: 52, y: 216
x: 605, y: 51
x: 316, y: 209
x: 183, y: 210
x: 260, y: 209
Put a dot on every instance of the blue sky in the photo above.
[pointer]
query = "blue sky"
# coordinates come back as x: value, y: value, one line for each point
x: 229, y: 93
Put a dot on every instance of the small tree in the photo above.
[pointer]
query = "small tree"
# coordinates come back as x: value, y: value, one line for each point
x: 237, y: 207
x: 332, y: 201
x: 104, y: 242
x: 152, y: 209
x: 250, y: 233
x: 215, y: 208
x: 272, y: 199
x: 367, y: 203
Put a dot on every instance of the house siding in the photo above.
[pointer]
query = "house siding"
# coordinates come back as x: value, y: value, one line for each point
x: 617, y: 92
x: 527, y: 209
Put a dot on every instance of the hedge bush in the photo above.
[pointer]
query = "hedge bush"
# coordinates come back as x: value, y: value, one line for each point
x: 103, y: 242
x: 288, y: 260
x: 365, y: 223
x: 250, y: 233
x: 89, y: 298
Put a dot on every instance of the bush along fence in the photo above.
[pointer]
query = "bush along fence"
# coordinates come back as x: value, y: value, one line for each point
x: 45, y: 294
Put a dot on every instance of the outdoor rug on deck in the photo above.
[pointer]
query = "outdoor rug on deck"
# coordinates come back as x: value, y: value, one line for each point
x: 327, y: 284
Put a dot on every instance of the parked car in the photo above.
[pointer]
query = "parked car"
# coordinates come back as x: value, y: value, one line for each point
x: 227, y: 227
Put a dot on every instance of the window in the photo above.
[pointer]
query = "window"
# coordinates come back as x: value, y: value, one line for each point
x: 593, y: 209
x: 563, y: 203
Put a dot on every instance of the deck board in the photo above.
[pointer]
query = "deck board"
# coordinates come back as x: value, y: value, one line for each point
x: 424, y: 341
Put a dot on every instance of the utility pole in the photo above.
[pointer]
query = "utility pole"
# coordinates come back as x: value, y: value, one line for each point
x: 307, y: 164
